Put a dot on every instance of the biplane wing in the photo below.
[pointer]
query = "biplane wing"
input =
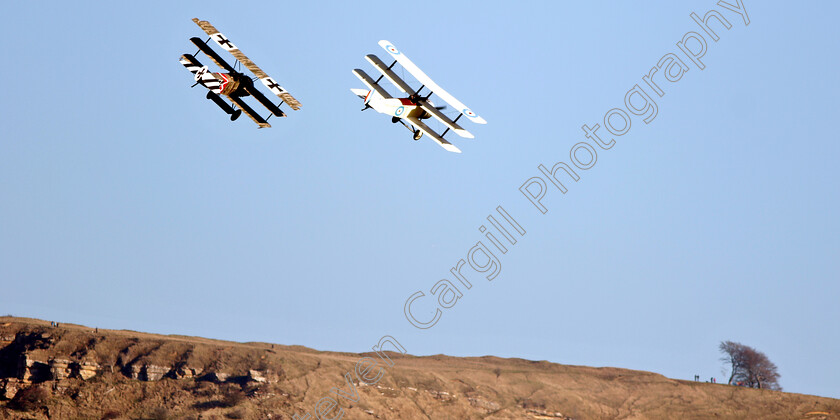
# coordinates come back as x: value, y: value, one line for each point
x: 389, y: 74
x: 261, y: 122
x: 429, y: 83
x: 371, y: 84
x: 452, y: 125
x: 264, y: 101
x: 212, y: 54
x: 228, y: 46
x: 434, y: 136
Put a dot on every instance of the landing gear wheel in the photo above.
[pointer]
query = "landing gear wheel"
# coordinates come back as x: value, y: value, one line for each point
x: 417, y: 135
x: 235, y: 114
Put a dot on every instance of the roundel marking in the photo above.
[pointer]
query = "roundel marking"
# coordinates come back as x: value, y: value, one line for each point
x: 399, y: 111
x: 391, y: 49
x: 469, y: 113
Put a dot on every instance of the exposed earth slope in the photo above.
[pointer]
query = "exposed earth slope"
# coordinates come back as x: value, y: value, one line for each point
x: 72, y: 371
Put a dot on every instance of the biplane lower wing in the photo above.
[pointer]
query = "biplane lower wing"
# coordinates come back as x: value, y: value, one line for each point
x: 428, y: 82
x: 261, y: 122
x: 452, y: 125
x: 371, y: 84
x: 434, y: 136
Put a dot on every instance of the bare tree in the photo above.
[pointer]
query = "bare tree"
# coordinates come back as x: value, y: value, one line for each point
x: 749, y: 367
x: 761, y: 372
x: 734, y: 355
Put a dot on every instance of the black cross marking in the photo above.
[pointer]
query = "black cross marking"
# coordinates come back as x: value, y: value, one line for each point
x: 223, y: 41
x: 272, y: 84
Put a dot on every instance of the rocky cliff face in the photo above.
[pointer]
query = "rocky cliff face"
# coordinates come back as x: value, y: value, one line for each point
x: 73, y: 361
x: 34, y: 356
x: 78, y: 372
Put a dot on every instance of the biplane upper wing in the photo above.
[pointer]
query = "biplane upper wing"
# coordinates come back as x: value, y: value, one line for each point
x: 371, y: 84
x: 428, y: 82
x: 434, y: 136
x: 228, y: 46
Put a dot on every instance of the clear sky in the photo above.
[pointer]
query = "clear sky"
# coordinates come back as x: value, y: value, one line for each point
x: 127, y: 200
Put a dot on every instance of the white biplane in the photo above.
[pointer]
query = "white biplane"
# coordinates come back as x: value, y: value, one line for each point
x: 415, y: 107
x: 234, y: 84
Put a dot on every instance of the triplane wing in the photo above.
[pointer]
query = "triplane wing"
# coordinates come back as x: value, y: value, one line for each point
x: 234, y: 84
x: 415, y: 107
x: 371, y: 84
x: 428, y: 131
x: 264, y: 78
x: 450, y: 125
x: 428, y: 82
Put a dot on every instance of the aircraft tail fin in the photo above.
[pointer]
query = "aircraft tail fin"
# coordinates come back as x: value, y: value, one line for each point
x: 362, y: 93
x: 365, y: 94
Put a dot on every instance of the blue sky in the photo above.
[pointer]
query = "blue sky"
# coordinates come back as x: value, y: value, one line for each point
x: 130, y: 201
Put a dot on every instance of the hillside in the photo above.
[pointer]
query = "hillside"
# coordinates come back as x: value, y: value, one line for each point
x: 72, y: 371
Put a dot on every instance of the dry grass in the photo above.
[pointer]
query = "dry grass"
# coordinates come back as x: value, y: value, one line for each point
x: 437, y: 387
